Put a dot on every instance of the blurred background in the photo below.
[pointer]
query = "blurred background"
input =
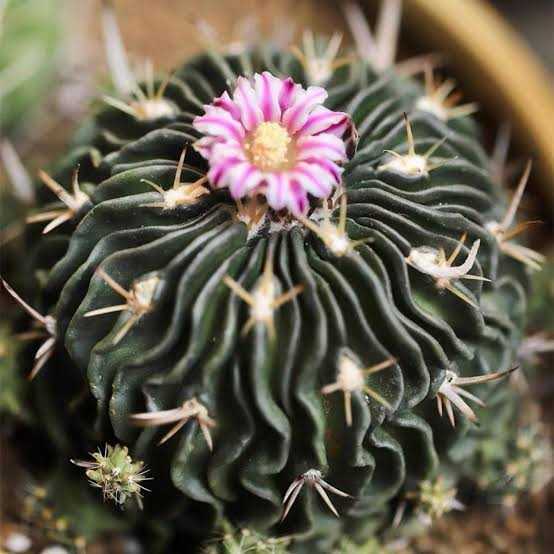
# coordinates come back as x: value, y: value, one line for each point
x: 501, y: 52
x: 52, y: 59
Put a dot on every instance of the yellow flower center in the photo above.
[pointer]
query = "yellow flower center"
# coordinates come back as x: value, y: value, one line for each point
x: 270, y: 147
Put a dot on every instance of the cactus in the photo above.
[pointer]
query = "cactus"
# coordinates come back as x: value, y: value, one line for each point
x: 302, y: 336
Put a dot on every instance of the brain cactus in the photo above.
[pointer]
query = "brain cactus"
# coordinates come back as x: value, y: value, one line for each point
x: 295, y: 281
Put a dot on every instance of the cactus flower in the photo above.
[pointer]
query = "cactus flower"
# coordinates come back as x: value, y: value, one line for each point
x: 274, y: 137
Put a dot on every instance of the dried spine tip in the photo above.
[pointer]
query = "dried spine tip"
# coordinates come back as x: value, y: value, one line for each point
x: 351, y: 378
x: 334, y: 237
x: 46, y: 329
x: 440, y: 101
x: 252, y: 212
x: 434, y: 263
x: 190, y: 409
x: 451, y: 392
x: 533, y: 346
x: 504, y: 231
x: 21, y: 181
x: 116, y: 474
x: 146, y: 105
x: 243, y: 34
x: 500, y: 151
x: 262, y: 299
x: 138, y: 301
x: 181, y: 194
x: 378, y: 49
x: 74, y: 202
x: 412, y: 163
x: 312, y: 478
x: 319, y: 67
x: 116, y: 55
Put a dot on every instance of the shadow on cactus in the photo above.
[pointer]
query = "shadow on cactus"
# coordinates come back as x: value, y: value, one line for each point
x: 270, y: 291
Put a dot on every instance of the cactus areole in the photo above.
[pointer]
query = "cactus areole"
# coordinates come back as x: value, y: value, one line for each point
x: 269, y: 292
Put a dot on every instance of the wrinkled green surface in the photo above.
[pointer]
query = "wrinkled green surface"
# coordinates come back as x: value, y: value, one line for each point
x: 272, y: 421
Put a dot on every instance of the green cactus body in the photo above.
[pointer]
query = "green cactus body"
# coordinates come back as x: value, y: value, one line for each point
x: 270, y: 422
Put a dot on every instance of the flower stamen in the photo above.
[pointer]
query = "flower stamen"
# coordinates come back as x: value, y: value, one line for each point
x: 74, y: 202
x: 312, y: 478
x: 181, y: 194
x: 270, y: 147
x: 138, y: 301
x: 190, y: 409
x: 351, y: 378
x: 262, y: 300
x: 451, y: 392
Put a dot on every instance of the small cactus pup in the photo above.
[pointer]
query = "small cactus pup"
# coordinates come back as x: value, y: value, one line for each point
x: 267, y: 293
x: 116, y: 474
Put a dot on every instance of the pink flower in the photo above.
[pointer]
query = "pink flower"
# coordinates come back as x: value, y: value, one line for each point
x: 274, y: 137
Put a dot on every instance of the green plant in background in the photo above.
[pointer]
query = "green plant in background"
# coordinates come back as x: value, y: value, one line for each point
x: 542, y: 294
x: 280, y: 274
x: 30, y: 35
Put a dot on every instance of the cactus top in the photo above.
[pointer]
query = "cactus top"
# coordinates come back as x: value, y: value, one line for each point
x: 274, y: 137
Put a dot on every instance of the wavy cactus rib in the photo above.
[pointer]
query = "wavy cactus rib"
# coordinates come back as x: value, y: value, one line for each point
x: 348, y: 292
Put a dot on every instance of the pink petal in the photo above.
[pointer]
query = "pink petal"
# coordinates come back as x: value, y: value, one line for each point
x: 322, y: 119
x: 287, y: 94
x: 297, y: 199
x: 276, y: 189
x: 342, y: 127
x: 244, y: 179
x: 204, y: 146
x: 321, y: 146
x: 218, y: 173
x: 268, y: 88
x: 224, y: 148
x: 295, y: 117
x: 330, y: 167
x: 225, y: 102
x: 219, y: 122
x: 245, y: 98
x: 315, y: 180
